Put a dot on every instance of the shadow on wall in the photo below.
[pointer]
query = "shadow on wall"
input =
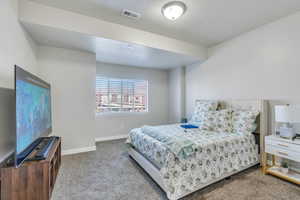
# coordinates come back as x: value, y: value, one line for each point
x: 7, y: 121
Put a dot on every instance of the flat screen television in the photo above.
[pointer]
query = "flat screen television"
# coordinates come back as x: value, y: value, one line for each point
x: 33, y: 112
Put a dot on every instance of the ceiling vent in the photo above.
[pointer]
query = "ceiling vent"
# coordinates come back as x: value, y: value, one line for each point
x: 131, y: 14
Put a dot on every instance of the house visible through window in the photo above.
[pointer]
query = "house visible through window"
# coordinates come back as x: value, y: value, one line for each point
x: 121, y: 95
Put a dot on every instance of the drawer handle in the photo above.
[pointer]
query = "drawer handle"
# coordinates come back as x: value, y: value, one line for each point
x: 283, y: 145
x: 284, y: 154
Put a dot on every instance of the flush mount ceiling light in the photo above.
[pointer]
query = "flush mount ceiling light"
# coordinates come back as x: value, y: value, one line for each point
x: 173, y: 10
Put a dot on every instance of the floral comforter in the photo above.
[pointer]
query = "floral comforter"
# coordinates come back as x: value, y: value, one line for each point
x: 216, y: 154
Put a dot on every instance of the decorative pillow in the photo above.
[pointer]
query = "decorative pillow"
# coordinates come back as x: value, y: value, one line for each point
x: 244, y: 120
x: 220, y: 121
x: 203, y: 106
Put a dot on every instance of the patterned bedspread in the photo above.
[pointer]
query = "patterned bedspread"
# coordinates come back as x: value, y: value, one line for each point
x: 216, y: 154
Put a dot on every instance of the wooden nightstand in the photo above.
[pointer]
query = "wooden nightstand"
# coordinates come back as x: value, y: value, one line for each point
x: 283, y: 148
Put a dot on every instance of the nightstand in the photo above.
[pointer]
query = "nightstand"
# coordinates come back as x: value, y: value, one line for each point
x: 283, y: 148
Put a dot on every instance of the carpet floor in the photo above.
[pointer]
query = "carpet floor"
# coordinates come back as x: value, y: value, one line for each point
x: 110, y: 174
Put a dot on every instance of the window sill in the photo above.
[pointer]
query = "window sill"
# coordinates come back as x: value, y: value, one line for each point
x: 120, y: 113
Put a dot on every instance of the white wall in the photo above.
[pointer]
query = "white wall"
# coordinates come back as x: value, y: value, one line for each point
x: 7, y: 122
x: 16, y: 47
x: 113, y: 125
x: 263, y: 63
x: 176, y: 83
x: 72, y: 78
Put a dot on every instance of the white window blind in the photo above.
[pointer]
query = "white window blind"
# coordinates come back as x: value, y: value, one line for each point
x: 121, y: 95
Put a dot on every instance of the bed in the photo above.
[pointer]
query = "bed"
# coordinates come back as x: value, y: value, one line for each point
x: 192, y: 159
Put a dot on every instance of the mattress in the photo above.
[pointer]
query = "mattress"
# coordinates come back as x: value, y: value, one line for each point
x: 216, y: 154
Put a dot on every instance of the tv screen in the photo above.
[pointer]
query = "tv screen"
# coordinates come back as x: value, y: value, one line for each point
x: 33, y: 112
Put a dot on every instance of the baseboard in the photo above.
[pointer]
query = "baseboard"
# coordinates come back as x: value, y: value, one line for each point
x: 117, y: 137
x: 78, y: 150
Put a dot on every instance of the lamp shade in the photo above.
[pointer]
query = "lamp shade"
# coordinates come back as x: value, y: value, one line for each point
x: 287, y: 113
x: 295, y: 113
x: 282, y: 114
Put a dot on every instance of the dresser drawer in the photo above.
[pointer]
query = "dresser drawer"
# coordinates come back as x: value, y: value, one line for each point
x: 283, y: 145
x: 283, y: 152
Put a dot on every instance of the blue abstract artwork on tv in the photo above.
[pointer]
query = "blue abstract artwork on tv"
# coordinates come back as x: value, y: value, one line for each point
x: 33, y: 113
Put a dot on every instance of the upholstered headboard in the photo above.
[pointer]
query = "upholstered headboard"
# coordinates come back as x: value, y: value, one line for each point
x: 262, y: 120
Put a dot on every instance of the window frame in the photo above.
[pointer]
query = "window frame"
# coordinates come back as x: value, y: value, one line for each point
x: 109, y: 92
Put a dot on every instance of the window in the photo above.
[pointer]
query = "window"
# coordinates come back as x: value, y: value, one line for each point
x: 121, y: 95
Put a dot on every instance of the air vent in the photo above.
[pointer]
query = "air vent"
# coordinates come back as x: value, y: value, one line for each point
x: 131, y: 14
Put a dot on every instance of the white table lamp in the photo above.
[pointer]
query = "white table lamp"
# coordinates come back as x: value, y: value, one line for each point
x: 287, y: 114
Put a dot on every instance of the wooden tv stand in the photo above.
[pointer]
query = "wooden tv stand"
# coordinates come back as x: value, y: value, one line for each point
x: 33, y: 180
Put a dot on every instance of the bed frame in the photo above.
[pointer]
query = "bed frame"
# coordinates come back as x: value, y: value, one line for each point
x: 262, y: 130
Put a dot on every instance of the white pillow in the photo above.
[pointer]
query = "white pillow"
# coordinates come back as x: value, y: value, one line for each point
x: 244, y: 120
x: 203, y: 106
x: 219, y: 121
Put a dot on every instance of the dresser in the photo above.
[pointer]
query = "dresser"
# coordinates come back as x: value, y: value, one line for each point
x: 276, y: 148
x: 33, y: 180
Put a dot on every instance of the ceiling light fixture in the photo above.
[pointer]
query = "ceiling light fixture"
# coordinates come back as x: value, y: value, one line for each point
x: 173, y: 10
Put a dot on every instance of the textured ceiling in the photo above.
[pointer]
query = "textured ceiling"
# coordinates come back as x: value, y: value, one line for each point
x: 206, y: 22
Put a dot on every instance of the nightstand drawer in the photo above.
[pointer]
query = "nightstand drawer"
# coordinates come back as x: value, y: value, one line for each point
x: 283, y: 145
x: 283, y: 152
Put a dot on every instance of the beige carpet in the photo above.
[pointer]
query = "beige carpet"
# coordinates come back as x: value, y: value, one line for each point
x: 109, y: 174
